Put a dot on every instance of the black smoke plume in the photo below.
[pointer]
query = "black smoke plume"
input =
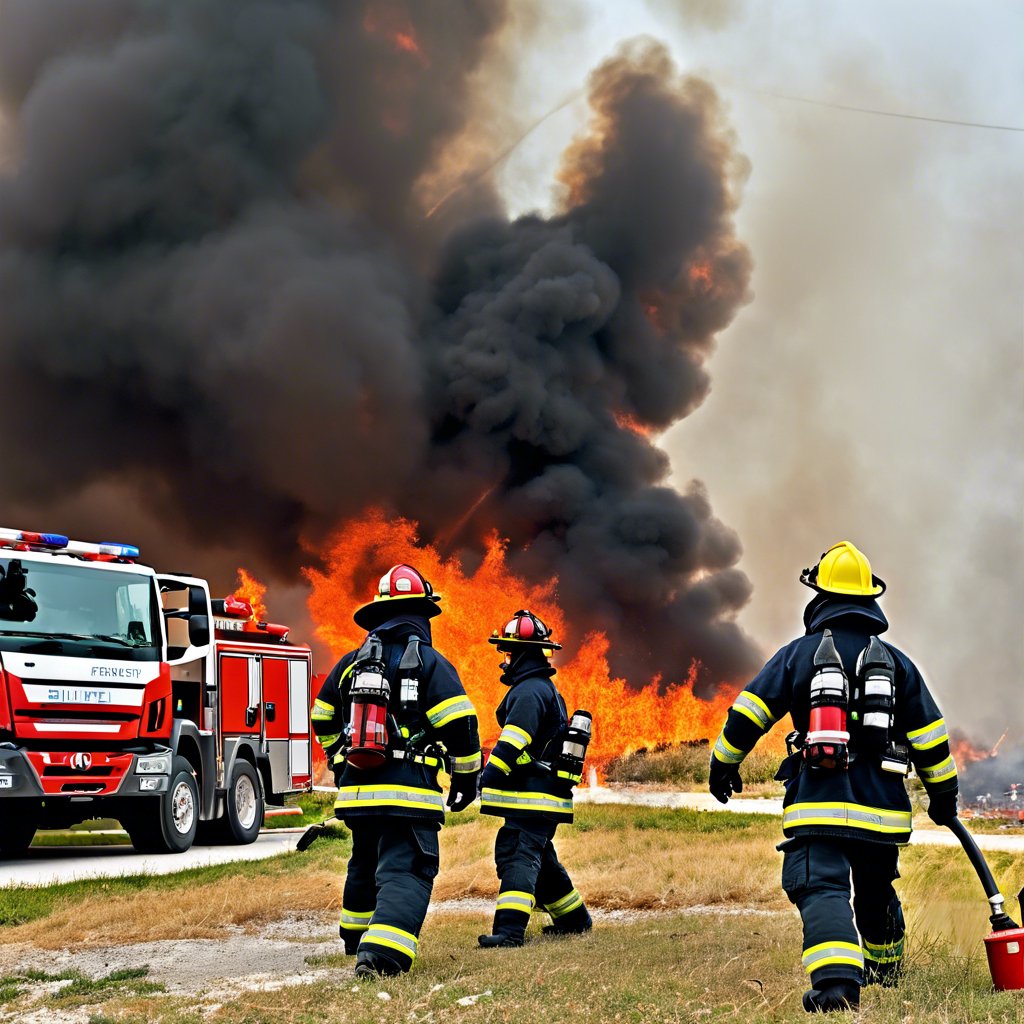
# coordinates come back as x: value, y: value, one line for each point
x: 220, y: 294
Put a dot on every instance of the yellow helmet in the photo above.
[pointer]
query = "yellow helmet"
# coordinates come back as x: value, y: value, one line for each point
x: 843, y: 569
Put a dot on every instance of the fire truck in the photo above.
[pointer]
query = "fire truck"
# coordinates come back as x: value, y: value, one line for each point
x: 127, y: 693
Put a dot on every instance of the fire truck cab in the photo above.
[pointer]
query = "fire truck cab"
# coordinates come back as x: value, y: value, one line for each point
x: 126, y: 693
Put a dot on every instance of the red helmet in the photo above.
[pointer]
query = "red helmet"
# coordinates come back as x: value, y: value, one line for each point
x: 400, y: 583
x: 526, y: 629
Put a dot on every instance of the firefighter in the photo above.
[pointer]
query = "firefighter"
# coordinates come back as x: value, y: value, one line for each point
x: 529, y: 784
x: 862, y: 714
x: 389, y: 715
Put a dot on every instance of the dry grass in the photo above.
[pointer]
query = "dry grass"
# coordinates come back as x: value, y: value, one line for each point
x: 685, y: 766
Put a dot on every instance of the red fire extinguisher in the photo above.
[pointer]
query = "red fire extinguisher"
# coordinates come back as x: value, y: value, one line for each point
x: 370, y: 692
x: 1004, y: 947
x: 827, y: 742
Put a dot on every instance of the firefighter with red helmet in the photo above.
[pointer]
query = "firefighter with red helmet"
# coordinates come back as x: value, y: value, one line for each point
x: 528, y: 780
x: 389, y: 715
x: 862, y: 715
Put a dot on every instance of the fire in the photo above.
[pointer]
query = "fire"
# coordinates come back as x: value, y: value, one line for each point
x: 388, y: 22
x: 701, y: 276
x: 964, y: 752
x: 477, y: 602
x: 250, y: 589
x: 629, y: 422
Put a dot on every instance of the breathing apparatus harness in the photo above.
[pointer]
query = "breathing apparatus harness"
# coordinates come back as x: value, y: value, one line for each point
x: 826, y: 746
x: 373, y: 733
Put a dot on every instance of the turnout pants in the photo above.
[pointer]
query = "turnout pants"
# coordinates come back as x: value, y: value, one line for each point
x: 819, y: 876
x: 387, y: 889
x: 530, y: 873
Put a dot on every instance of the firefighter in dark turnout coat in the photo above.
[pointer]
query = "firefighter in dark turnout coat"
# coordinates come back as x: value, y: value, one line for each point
x: 846, y: 811
x: 394, y: 809
x: 524, y: 783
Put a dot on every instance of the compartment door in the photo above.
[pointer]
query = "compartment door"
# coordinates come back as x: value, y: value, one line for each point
x: 299, y: 751
x: 275, y: 729
x: 239, y: 690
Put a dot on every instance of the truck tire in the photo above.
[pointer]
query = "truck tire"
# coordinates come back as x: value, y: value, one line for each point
x: 15, y: 837
x: 168, y: 823
x: 243, y: 805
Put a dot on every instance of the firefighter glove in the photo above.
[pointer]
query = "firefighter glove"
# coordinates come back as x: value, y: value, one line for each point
x: 724, y: 780
x: 463, y: 790
x: 491, y: 776
x: 942, y: 807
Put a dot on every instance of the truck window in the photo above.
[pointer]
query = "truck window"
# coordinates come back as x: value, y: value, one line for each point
x: 85, y: 611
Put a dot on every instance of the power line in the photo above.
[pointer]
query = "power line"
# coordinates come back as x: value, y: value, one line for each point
x: 891, y: 113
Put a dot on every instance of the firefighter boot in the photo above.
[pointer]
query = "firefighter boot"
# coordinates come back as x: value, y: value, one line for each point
x: 834, y: 995
x: 576, y: 922
x: 497, y: 941
x: 375, y: 965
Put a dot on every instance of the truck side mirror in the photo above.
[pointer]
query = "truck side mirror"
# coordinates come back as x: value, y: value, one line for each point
x: 199, y: 630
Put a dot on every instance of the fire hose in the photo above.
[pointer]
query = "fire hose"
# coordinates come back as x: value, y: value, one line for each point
x: 1004, y: 947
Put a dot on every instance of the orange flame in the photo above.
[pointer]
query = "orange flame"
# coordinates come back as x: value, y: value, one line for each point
x: 627, y: 421
x: 250, y: 589
x: 964, y: 752
x: 477, y: 602
x: 701, y: 276
x: 388, y: 22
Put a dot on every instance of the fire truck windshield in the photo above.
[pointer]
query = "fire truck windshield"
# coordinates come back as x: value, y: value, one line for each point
x: 53, y: 608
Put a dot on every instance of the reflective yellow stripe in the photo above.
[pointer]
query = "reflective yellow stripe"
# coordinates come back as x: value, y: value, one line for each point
x: 930, y: 736
x: 322, y: 711
x: 512, y: 899
x: 355, y: 920
x: 872, y: 819
x: 467, y: 763
x: 388, y: 796
x: 889, y: 953
x: 328, y: 741
x: 513, y: 802
x: 498, y: 763
x: 524, y: 758
x: 755, y: 709
x: 393, y: 938
x: 514, y: 736
x: 726, y: 752
x: 570, y: 776
x: 939, y: 772
x: 826, y: 953
x: 450, y: 709
x: 568, y: 903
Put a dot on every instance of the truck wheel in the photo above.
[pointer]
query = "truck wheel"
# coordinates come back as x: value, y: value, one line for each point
x: 244, y: 805
x: 15, y: 837
x: 168, y: 824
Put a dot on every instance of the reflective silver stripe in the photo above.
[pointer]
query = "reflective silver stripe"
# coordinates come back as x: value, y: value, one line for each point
x: 930, y: 736
x: 873, y: 819
x: 450, y: 709
x: 887, y: 954
x: 514, y: 736
x: 388, y: 796
x: 355, y: 921
x: 469, y: 763
x: 726, y: 752
x: 755, y: 709
x: 525, y: 801
x: 565, y: 905
x: 521, y: 901
x: 938, y: 772
x: 393, y: 938
x: 322, y: 711
x: 832, y: 953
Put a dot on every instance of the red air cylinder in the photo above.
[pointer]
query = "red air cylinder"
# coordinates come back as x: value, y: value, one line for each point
x: 369, y: 735
x: 826, y: 744
x: 1005, y: 951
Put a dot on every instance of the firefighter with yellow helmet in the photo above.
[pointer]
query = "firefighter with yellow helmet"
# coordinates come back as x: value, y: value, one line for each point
x: 389, y: 715
x: 528, y: 780
x: 862, y: 716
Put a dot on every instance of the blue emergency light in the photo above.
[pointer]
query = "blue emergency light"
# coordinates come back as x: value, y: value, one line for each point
x: 38, y: 540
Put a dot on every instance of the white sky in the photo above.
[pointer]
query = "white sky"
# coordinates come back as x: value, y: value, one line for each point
x: 874, y: 388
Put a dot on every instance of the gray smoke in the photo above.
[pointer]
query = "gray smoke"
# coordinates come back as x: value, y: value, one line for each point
x: 219, y: 294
